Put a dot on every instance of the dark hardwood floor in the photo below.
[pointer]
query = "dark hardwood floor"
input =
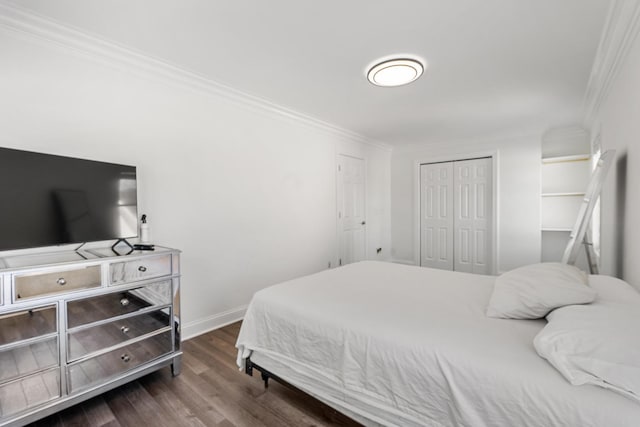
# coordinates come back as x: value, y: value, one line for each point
x: 210, y: 391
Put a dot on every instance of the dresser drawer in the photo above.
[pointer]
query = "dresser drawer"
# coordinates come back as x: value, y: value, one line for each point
x: 100, y: 368
x: 86, y: 341
x: 45, y: 283
x: 141, y: 269
x: 101, y: 307
x: 25, y: 324
x: 29, y: 392
x: 29, y: 358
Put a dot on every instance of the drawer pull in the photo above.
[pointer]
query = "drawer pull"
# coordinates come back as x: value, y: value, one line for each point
x: 124, y: 302
x: 125, y: 358
x: 61, y: 281
x: 142, y: 268
x: 125, y: 329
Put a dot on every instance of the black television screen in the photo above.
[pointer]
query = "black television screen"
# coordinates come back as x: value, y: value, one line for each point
x: 52, y: 200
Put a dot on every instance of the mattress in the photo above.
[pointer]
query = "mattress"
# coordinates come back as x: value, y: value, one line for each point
x: 399, y: 345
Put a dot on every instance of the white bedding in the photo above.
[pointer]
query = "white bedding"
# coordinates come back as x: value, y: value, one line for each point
x: 400, y: 345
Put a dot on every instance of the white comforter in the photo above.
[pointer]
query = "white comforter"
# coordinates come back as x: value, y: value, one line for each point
x: 399, y: 345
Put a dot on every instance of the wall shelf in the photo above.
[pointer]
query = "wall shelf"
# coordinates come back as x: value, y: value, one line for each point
x: 573, y: 194
x: 563, y: 183
x: 564, y: 159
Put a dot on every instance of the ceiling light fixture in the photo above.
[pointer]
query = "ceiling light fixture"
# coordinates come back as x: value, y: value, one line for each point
x: 396, y: 71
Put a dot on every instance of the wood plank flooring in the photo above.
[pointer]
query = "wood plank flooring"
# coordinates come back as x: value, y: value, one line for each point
x: 210, y: 391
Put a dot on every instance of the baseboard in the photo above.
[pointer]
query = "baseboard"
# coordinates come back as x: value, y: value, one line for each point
x: 404, y: 261
x: 198, y: 327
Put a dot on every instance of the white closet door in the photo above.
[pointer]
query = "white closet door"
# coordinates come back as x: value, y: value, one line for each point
x: 473, y: 215
x: 436, y: 222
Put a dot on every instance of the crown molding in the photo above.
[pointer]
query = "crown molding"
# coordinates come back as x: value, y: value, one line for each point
x: 29, y: 24
x: 620, y: 30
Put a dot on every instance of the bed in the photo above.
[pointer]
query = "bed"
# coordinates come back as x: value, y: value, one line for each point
x: 399, y: 345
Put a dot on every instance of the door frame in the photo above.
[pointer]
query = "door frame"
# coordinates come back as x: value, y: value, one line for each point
x: 339, y: 247
x: 495, y: 232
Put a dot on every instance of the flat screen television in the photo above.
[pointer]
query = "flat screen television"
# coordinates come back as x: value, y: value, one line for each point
x: 52, y: 200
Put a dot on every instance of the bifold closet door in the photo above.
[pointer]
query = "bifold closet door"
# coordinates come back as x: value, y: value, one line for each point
x: 472, y: 210
x: 436, y: 219
x: 456, y: 204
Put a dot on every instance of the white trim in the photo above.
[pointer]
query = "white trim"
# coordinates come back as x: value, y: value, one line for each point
x: 27, y: 23
x: 495, y: 159
x: 620, y: 30
x: 403, y: 261
x: 200, y: 326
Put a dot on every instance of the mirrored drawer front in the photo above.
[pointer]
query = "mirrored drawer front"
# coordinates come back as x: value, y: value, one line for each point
x: 25, y: 324
x: 35, y: 285
x: 141, y: 269
x: 26, y: 359
x: 20, y: 395
x: 93, y: 309
x: 96, y: 338
x: 100, y: 368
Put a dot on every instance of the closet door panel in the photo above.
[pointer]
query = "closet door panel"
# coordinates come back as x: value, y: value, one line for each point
x: 472, y: 215
x: 436, y: 215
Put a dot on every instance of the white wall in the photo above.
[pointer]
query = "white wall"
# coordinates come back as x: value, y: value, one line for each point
x: 618, y: 124
x: 518, y: 190
x: 249, y: 195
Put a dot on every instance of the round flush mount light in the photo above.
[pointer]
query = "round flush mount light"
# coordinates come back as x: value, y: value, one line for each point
x: 397, y: 71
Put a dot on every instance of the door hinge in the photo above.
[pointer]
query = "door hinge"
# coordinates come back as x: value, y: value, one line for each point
x: 339, y: 214
x: 340, y: 261
x: 339, y: 168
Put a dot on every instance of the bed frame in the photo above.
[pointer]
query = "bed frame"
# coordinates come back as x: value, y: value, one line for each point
x: 249, y: 366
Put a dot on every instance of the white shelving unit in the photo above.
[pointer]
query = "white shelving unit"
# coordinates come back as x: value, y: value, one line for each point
x: 564, y: 181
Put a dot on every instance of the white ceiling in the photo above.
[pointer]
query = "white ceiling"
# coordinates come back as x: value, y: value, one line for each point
x: 495, y: 66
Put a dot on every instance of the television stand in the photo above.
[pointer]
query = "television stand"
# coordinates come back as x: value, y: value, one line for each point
x: 79, y: 327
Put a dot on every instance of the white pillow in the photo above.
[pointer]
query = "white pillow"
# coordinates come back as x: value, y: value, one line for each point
x: 611, y: 290
x: 531, y: 292
x: 595, y: 344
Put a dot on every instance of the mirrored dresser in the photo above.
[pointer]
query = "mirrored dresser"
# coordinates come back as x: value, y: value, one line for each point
x: 74, y: 324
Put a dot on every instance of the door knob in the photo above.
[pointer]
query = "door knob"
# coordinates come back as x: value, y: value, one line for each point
x: 363, y: 222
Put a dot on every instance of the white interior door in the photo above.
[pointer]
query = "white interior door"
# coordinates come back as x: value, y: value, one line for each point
x: 473, y: 205
x: 351, y: 210
x: 436, y: 219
